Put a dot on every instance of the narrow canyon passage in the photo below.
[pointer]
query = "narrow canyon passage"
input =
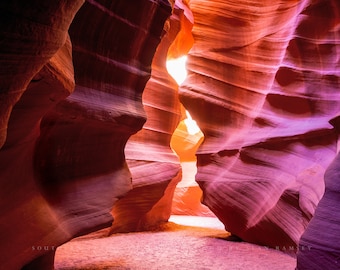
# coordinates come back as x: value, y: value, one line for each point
x: 106, y: 162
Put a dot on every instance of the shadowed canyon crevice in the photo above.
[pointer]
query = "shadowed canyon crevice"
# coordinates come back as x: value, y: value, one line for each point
x: 90, y: 121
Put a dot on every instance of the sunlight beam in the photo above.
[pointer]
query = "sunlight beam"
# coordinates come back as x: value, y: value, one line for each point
x: 191, y: 124
x: 176, y: 68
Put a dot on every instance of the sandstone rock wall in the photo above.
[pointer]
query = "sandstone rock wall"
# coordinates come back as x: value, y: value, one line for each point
x: 320, y: 243
x: 62, y: 161
x: 154, y: 166
x: 28, y: 40
x: 263, y: 86
x: 35, y: 73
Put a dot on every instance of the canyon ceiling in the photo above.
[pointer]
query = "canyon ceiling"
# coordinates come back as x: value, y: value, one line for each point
x: 91, y: 121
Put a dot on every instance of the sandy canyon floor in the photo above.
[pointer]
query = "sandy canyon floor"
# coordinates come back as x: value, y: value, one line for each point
x: 183, y: 243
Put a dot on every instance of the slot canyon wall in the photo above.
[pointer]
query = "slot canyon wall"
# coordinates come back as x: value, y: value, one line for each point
x: 67, y: 111
x: 88, y: 112
x: 154, y: 166
x: 268, y: 74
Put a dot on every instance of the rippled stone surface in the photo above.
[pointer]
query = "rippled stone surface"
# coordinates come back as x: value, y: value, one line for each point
x: 263, y: 86
x: 320, y: 244
x: 154, y: 166
x: 35, y: 73
x: 62, y: 163
x: 27, y: 45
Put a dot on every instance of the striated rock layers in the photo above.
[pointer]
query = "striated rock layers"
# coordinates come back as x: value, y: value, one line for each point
x: 62, y: 160
x: 154, y: 166
x: 31, y: 33
x: 319, y: 247
x: 263, y: 87
x: 35, y: 73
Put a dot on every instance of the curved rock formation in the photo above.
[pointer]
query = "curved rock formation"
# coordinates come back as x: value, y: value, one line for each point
x: 320, y: 244
x: 36, y: 72
x: 154, y: 166
x: 62, y: 163
x: 262, y: 86
x: 31, y: 33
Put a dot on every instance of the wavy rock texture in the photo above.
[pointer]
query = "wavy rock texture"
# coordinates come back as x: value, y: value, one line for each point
x: 35, y: 73
x: 155, y: 168
x: 63, y: 164
x: 262, y: 85
x: 30, y: 212
x: 40, y: 29
x: 320, y: 244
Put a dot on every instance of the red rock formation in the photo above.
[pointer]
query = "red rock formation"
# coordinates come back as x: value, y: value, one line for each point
x: 62, y: 164
x: 28, y: 40
x: 36, y: 72
x: 262, y: 86
x: 320, y: 244
x: 154, y: 166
